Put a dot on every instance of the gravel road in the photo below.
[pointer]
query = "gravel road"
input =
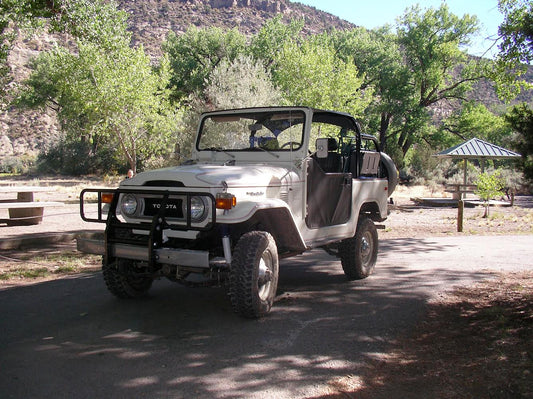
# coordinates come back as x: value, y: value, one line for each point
x: 70, y: 338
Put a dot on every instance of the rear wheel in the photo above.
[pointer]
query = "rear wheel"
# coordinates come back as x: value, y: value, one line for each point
x: 122, y: 281
x: 254, y: 274
x: 359, y: 253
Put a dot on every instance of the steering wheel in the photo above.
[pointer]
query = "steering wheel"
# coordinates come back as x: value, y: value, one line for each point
x: 291, y: 144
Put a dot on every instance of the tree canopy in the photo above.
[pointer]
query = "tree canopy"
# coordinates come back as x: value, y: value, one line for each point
x: 106, y: 93
x: 520, y: 117
x: 516, y: 31
x: 396, y: 79
x: 194, y: 54
x: 310, y: 74
x: 98, y: 21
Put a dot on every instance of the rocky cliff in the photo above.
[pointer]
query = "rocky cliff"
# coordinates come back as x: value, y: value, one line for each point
x: 25, y: 133
x: 151, y: 20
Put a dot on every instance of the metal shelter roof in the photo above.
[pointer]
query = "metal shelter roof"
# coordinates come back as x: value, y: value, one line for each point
x: 476, y: 148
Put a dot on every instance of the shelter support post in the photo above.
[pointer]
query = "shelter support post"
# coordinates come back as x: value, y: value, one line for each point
x: 465, y: 163
x: 460, y: 214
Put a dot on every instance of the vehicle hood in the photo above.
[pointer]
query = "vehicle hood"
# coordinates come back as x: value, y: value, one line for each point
x: 203, y: 176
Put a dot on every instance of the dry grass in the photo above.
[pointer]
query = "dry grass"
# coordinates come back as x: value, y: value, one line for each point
x: 18, y: 267
x: 407, y: 220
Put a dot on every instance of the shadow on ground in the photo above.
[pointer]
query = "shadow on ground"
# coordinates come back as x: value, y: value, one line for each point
x: 184, y: 342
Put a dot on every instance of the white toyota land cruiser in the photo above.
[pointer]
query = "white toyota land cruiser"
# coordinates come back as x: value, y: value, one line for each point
x: 262, y: 184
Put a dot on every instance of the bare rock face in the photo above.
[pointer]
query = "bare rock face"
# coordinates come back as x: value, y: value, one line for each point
x: 25, y: 133
x: 6, y: 147
x: 274, y: 6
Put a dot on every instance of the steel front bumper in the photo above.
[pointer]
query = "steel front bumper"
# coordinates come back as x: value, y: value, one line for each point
x: 178, y: 257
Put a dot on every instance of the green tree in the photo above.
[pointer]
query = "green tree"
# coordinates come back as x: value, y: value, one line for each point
x: 516, y: 31
x: 94, y: 20
x: 194, y: 54
x: 489, y: 186
x: 309, y: 73
x: 515, y: 42
x: 106, y: 94
x: 431, y: 42
x: 473, y: 120
x: 266, y: 44
x: 381, y: 65
x: 520, y: 117
x: 411, y: 71
x: 106, y: 98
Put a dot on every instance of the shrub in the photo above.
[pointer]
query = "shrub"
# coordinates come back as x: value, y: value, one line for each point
x: 76, y: 158
x: 489, y: 186
x: 17, y: 165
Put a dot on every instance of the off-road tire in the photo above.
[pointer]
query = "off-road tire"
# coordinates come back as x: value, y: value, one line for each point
x: 123, y: 284
x: 359, y: 253
x: 254, y: 274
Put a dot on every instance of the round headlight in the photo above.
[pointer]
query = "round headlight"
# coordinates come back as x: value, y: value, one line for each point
x: 128, y: 205
x: 198, y: 209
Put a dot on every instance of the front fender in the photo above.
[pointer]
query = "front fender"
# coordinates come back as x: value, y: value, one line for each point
x: 273, y: 216
x: 246, y: 209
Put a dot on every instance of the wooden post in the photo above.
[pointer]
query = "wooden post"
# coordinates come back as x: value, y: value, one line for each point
x: 464, y: 177
x: 460, y: 212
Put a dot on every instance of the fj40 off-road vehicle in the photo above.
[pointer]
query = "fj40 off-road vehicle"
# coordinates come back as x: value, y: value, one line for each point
x: 262, y: 184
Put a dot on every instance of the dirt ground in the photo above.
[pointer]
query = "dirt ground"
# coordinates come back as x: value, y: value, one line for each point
x: 475, y: 342
x: 406, y: 219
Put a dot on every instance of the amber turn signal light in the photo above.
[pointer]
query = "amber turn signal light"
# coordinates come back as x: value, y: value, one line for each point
x: 107, y: 198
x: 225, y: 201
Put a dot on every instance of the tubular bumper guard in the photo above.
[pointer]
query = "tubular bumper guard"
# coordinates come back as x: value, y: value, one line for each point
x: 118, y: 243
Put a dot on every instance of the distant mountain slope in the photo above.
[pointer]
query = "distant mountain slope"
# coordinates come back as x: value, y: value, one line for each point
x: 150, y: 21
x: 27, y: 132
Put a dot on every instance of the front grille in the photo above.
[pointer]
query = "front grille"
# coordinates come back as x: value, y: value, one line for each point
x: 173, y: 207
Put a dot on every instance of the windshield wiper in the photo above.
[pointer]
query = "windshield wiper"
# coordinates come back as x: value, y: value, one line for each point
x: 219, y: 149
x: 265, y: 150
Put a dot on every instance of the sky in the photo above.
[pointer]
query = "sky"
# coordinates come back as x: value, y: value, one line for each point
x: 375, y: 13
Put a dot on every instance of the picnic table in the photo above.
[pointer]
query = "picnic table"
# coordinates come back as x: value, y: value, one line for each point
x: 24, y: 210
x: 458, y: 189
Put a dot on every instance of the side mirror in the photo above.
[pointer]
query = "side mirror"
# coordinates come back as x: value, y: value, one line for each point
x: 322, y: 148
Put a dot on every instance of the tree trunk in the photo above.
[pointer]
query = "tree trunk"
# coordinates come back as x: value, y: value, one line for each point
x: 486, y: 214
x: 406, y: 145
x: 383, y: 128
x: 405, y: 140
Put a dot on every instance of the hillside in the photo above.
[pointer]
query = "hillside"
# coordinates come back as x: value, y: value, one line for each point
x: 151, y: 20
x: 24, y: 133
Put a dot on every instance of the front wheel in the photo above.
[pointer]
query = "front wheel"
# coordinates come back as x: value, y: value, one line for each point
x: 359, y: 253
x: 123, y: 282
x: 254, y: 274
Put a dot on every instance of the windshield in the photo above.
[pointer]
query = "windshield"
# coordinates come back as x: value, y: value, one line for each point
x: 267, y: 130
